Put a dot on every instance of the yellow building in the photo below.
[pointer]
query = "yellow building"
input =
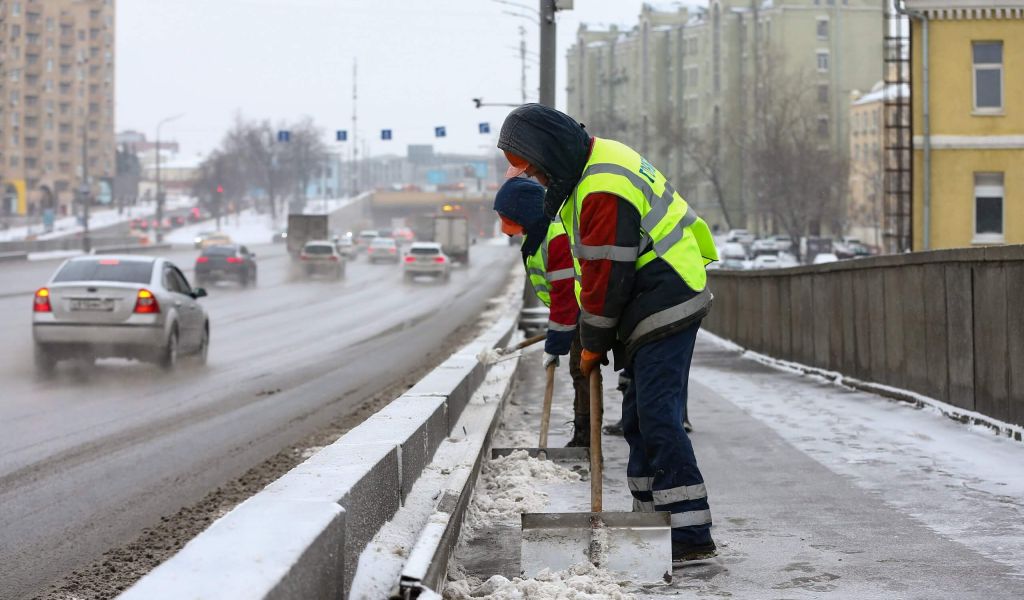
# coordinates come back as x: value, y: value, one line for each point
x: 968, y: 122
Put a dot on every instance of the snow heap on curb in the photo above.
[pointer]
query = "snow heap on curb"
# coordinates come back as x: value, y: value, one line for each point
x: 508, y: 488
x: 579, y: 582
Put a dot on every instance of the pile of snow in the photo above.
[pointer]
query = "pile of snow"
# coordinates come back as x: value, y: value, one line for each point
x: 508, y: 487
x: 579, y: 582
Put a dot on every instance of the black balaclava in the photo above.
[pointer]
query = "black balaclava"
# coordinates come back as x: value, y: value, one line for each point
x: 522, y: 201
x: 551, y: 141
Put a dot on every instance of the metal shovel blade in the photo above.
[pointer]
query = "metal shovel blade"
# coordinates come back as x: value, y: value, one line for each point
x: 636, y: 546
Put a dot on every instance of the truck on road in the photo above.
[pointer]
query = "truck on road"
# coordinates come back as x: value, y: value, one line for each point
x: 305, y: 228
x: 452, y: 232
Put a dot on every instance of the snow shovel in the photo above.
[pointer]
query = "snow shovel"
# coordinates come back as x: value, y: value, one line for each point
x: 542, y: 450
x: 634, y: 545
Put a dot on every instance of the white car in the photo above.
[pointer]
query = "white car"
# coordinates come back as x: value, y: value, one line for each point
x: 766, y: 261
x: 118, y: 306
x: 740, y: 235
x: 322, y: 256
x: 426, y: 258
x: 824, y: 258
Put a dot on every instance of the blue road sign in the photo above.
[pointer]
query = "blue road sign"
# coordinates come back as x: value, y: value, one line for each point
x: 341, y: 135
x: 284, y: 136
x: 485, y: 128
x: 439, y: 131
x: 385, y: 134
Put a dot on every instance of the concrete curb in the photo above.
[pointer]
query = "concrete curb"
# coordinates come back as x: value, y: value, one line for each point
x: 13, y: 256
x: 301, y: 537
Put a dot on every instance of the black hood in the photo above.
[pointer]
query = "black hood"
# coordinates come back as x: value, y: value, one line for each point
x: 553, y: 142
x: 522, y: 201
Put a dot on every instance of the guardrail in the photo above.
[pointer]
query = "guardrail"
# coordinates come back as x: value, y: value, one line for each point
x: 946, y: 324
x: 301, y: 537
x: 131, y: 249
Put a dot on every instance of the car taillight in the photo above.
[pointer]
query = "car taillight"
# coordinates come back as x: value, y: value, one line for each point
x: 334, y: 258
x: 391, y: 250
x: 234, y: 260
x: 202, y: 259
x: 303, y: 257
x: 439, y: 259
x: 410, y: 259
x: 145, y: 302
x: 369, y: 250
x: 42, y: 301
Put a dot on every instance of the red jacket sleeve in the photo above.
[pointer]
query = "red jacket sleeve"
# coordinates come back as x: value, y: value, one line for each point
x: 609, y: 245
x: 564, y: 310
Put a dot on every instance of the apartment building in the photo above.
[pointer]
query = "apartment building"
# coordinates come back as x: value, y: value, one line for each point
x: 968, y: 182
x: 681, y: 85
x: 864, y: 214
x: 56, y: 103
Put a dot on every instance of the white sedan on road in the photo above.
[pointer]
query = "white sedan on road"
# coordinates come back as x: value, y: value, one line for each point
x: 426, y: 258
x: 118, y: 306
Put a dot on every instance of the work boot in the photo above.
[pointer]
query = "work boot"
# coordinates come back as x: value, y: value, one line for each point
x: 580, y: 433
x: 614, y: 428
x: 687, y: 552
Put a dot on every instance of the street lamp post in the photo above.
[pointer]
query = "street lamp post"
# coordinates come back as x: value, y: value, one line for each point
x: 159, y: 192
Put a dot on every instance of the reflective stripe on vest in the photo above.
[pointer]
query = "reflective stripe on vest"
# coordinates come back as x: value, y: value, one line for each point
x: 537, y: 267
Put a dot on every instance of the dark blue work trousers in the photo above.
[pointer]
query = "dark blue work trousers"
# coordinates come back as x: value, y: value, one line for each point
x: 662, y: 472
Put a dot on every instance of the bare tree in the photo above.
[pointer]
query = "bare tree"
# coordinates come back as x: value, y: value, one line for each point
x: 304, y: 154
x: 798, y: 175
x: 703, y: 151
x: 255, y: 145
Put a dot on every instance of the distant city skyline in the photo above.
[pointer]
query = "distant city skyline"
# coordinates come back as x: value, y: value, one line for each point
x: 419, y: 67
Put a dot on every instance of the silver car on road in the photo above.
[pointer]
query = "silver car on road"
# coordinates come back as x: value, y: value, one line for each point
x: 118, y: 306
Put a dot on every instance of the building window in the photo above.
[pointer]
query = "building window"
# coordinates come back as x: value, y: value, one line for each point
x: 988, y: 76
x: 16, y: 9
x: 823, y: 61
x: 823, y: 127
x: 988, y: 208
x: 823, y: 93
x: 822, y: 28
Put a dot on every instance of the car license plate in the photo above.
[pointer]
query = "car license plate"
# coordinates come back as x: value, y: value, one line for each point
x: 92, y: 304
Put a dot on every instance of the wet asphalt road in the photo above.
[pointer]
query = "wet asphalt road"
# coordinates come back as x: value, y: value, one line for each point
x: 96, y: 455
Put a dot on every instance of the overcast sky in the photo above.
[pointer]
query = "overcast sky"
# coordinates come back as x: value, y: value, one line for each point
x: 420, y: 64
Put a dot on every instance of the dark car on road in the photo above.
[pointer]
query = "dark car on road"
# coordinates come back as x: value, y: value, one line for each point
x: 231, y: 262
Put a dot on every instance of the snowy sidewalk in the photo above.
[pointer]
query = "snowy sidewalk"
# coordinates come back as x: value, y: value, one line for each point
x: 815, y: 489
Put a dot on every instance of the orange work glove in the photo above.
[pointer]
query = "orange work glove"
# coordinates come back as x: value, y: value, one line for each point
x: 590, y: 360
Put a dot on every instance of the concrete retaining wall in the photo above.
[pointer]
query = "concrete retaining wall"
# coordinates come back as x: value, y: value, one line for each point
x: 947, y: 324
x: 301, y: 537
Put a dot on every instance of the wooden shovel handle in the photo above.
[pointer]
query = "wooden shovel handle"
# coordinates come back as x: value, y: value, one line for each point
x: 545, y: 419
x: 596, y: 460
x: 530, y: 341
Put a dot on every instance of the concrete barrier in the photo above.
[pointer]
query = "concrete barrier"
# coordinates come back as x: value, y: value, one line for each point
x: 947, y: 324
x: 131, y: 249
x: 13, y: 256
x: 337, y: 500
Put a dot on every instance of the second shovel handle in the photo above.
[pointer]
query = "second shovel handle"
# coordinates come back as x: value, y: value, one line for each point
x: 531, y: 341
x: 596, y: 459
x: 545, y: 419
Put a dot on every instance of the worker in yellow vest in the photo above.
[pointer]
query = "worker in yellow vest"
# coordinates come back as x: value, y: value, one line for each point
x: 549, y: 267
x: 640, y: 254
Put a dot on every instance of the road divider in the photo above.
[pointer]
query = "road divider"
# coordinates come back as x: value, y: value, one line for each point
x: 302, y: 536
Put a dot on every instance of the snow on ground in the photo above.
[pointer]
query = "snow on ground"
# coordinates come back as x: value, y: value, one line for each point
x: 98, y: 217
x: 580, y: 582
x: 54, y: 254
x: 248, y: 227
x: 962, y: 482
x: 507, y: 488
